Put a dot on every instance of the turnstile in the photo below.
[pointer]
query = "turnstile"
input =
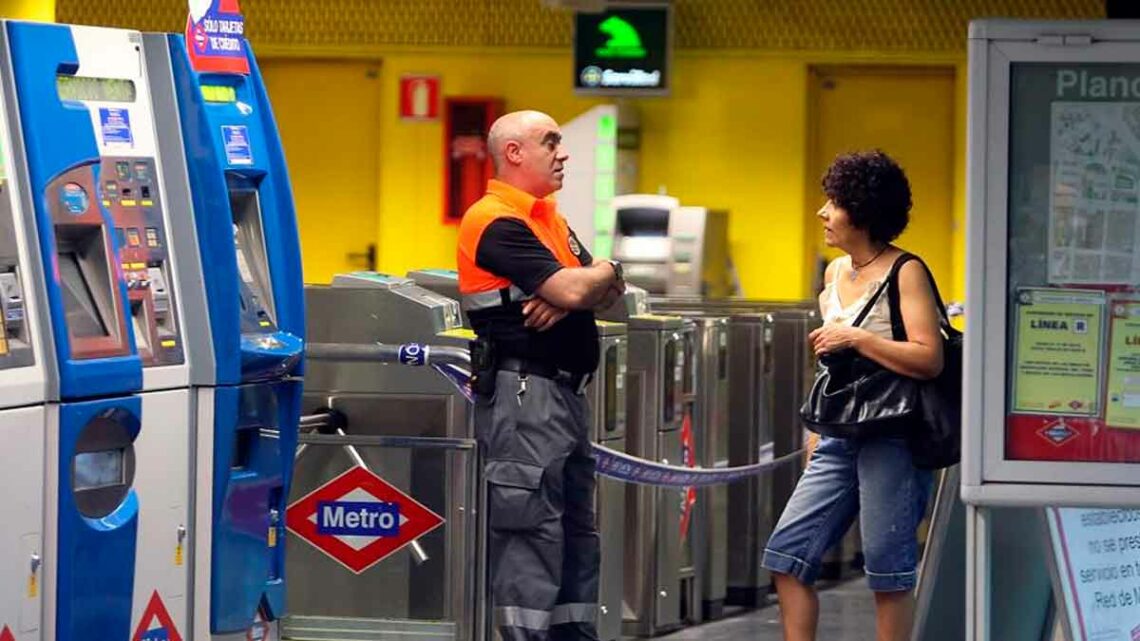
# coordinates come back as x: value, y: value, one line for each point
x: 770, y: 371
x: 431, y: 587
x: 653, y: 550
x: 607, y: 398
x: 708, y: 536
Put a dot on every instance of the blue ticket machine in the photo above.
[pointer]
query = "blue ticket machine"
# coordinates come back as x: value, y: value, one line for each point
x: 76, y: 130
x: 249, y: 396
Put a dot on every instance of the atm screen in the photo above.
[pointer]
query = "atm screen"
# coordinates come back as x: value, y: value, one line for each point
x: 643, y: 221
x: 83, y: 317
x: 80, y: 88
x: 94, y: 470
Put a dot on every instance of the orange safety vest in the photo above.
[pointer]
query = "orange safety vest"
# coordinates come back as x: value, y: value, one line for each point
x: 480, y: 288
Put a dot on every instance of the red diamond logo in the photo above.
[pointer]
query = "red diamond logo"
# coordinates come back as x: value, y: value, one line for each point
x: 6, y: 635
x: 1058, y: 432
x: 359, y: 520
x: 156, y: 624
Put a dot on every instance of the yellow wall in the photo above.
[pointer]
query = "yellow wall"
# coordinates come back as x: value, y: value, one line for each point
x: 717, y: 141
x: 732, y: 135
x: 43, y: 10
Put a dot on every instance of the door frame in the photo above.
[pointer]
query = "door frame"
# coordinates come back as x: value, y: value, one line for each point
x: 813, y: 276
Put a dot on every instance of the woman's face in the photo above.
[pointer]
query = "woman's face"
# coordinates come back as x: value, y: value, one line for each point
x: 837, y: 228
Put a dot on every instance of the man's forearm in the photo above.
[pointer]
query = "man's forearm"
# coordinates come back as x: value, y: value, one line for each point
x: 579, y: 287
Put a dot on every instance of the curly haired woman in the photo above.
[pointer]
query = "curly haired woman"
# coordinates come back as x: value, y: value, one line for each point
x: 875, y: 478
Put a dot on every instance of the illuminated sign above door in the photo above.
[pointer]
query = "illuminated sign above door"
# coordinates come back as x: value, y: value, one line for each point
x: 624, y: 50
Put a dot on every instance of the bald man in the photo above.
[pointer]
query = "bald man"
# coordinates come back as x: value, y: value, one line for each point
x: 529, y: 287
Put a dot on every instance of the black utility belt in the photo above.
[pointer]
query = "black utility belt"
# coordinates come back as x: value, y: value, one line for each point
x: 576, y: 382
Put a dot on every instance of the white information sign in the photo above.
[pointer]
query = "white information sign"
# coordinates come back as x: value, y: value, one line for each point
x: 1098, y: 562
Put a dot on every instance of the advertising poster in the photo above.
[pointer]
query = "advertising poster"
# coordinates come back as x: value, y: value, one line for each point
x: 215, y: 37
x: 1122, y: 399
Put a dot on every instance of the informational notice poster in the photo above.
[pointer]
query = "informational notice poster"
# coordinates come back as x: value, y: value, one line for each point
x: 1097, y: 553
x: 1059, y: 340
x: 1122, y: 400
x: 1095, y: 203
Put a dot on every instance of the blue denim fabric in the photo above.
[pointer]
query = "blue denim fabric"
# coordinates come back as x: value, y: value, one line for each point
x: 874, y: 478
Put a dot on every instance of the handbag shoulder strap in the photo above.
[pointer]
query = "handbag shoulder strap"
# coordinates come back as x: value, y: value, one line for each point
x: 898, y: 329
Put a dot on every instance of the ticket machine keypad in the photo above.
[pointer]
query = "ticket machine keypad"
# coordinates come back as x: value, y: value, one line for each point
x: 130, y: 193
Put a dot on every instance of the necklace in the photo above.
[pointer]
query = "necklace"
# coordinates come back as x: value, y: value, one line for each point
x: 855, y: 268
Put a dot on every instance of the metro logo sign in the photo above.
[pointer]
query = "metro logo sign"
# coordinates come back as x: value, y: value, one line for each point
x: 359, y: 520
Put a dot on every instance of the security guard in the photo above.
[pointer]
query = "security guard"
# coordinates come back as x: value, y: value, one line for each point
x: 529, y: 288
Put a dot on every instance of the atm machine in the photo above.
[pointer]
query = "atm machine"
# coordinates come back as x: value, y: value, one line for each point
x: 107, y: 171
x: 653, y: 550
x: 94, y: 417
x: 221, y: 126
x: 672, y: 250
x: 24, y: 369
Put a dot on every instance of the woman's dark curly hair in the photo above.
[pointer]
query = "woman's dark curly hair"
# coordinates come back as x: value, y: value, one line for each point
x: 873, y: 190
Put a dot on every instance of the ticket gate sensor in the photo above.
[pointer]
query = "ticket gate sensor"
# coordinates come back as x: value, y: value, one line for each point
x: 653, y: 551
x: 606, y: 395
x: 248, y: 366
x: 23, y: 392
x: 63, y: 80
x: 441, y: 281
x: 369, y: 307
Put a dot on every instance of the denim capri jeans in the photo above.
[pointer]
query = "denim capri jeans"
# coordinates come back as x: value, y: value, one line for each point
x: 873, y: 478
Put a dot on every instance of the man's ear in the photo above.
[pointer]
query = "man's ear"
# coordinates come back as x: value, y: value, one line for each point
x: 512, y: 151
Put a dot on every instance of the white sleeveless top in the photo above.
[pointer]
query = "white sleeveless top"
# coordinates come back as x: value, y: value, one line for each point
x: 878, y: 320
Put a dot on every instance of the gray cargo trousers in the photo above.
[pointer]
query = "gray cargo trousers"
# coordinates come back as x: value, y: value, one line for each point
x: 543, y: 541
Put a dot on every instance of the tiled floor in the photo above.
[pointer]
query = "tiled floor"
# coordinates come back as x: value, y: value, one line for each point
x: 847, y: 613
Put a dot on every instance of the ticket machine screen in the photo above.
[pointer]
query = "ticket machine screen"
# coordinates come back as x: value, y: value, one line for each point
x: 253, y: 263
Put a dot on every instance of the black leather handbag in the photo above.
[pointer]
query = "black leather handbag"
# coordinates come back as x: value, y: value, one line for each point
x: 935, y: 442
x: 855, y: 397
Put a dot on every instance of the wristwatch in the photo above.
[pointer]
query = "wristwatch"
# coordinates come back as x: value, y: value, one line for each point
x: 618, y: 271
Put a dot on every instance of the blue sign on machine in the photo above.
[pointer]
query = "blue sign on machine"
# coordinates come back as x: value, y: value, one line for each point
x: 116, y: 126
x: 235, y: 139
x: 358, y: 518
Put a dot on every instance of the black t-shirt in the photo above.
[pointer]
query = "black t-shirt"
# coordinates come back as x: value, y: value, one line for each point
x: 509, y: 249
